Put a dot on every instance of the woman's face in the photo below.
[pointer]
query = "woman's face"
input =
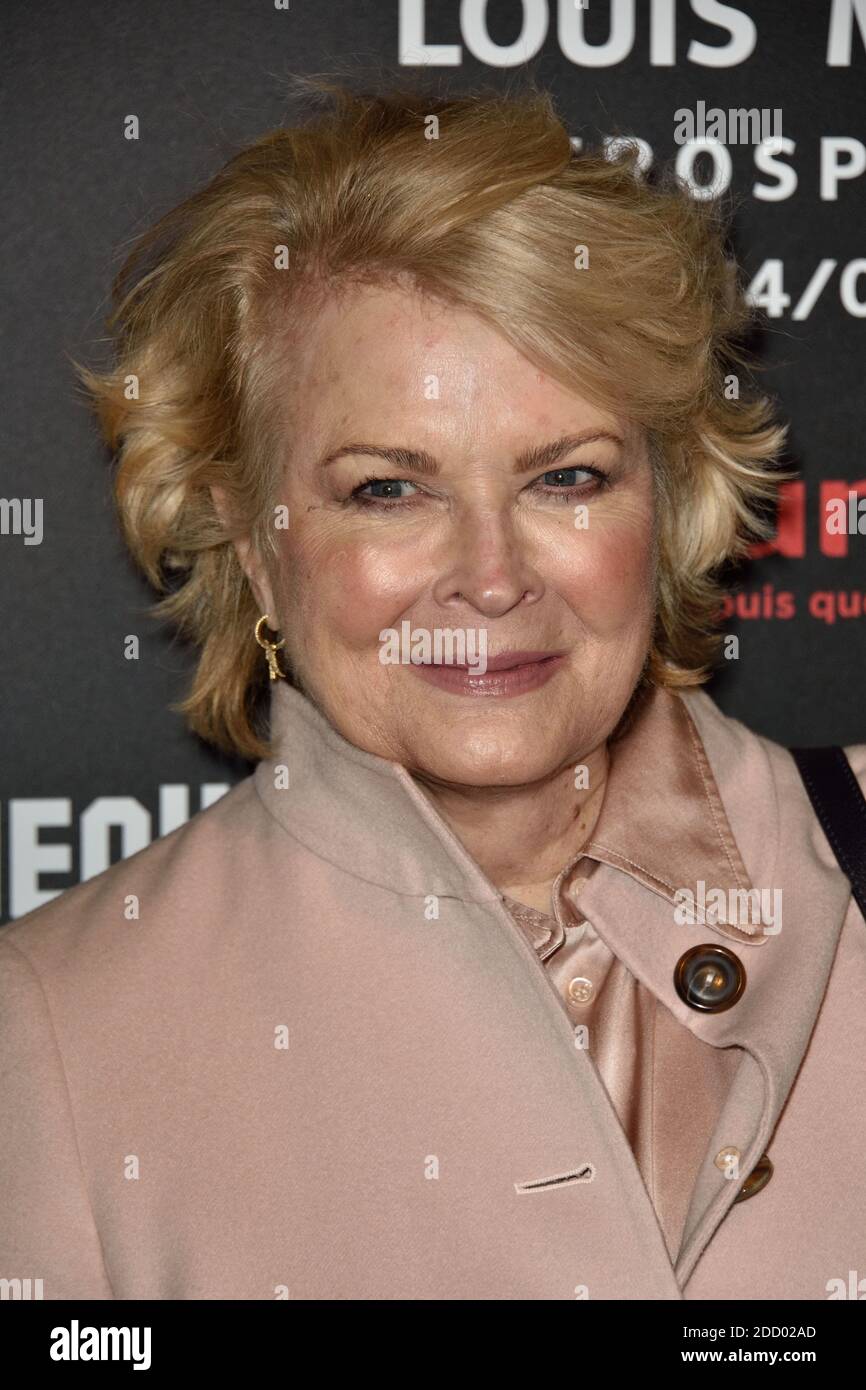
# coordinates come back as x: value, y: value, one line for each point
x: 479, y: 521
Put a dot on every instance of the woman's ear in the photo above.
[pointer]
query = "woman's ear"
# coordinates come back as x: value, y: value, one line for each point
x: 250, y: 561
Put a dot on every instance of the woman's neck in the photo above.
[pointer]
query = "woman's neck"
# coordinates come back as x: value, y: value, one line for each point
x: 521, y: 837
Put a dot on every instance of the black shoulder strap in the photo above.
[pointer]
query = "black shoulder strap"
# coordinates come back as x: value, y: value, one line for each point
x: 840, y: 807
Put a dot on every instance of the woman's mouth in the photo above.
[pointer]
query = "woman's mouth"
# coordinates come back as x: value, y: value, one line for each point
x: 508, y: 673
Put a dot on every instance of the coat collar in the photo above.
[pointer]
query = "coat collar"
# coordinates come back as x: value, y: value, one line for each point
x: 361, y: 813
x: 688, y: 787
x: 662, y: 821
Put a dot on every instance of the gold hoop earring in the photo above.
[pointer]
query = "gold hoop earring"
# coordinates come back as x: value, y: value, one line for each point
x: 270, y: 649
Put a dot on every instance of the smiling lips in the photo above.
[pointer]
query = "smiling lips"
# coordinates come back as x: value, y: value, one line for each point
x: 509, y: 673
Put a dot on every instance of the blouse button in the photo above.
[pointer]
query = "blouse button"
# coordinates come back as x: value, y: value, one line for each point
x: 580, y: 990
x: 709, y: 978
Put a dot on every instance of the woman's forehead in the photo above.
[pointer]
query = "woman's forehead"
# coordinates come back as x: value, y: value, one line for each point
x: 389, y: 354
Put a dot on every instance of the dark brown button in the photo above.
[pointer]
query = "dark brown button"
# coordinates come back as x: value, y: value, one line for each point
x: 757, y: 1179
x: 709, y: 978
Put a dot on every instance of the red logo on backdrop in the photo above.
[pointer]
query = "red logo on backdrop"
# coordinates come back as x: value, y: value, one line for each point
x: 841, y: 522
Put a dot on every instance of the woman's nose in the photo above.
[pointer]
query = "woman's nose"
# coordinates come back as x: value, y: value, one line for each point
x: 486, y: 565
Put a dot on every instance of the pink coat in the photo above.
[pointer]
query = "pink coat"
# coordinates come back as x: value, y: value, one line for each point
x: 248, y: 1063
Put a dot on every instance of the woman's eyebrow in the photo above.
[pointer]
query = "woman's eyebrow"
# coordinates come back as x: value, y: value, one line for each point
x: 546, y: 455
x: 420, y: 461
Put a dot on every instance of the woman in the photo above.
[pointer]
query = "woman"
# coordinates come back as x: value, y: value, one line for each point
x: 516, y: 970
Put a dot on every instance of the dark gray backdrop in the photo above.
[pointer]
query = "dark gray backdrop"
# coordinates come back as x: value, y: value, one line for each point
x: 93, y: 757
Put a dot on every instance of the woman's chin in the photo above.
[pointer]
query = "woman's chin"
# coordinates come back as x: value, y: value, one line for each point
x: 493, y: 764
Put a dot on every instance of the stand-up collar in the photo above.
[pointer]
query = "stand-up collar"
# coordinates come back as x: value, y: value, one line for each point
x: 364, y: 814
x: 662, y: 821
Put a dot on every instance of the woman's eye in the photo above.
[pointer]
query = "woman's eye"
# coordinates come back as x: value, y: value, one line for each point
x: 564, y: 477
x: 382, y: 490
x: 564, y: 483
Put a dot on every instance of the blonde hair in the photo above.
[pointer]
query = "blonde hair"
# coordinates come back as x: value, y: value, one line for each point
x: 482, y: 202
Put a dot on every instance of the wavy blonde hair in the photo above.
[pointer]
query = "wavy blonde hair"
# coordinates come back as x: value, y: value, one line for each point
x: 482, y: 201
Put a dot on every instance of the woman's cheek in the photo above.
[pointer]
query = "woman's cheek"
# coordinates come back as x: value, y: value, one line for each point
x: 611, y: 578
x: 356, y: 589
